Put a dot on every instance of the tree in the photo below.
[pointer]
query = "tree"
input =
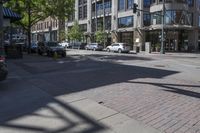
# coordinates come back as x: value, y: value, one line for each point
x: 100, y: 36
x: 59, y: 9
x: 31, y: 12
x: 75, y: 33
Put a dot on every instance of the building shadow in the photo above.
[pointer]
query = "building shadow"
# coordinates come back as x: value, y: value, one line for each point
x: 174, y: 88
x: 40, y: 81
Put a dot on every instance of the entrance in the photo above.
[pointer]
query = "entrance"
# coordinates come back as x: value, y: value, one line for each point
x: 171, y: 41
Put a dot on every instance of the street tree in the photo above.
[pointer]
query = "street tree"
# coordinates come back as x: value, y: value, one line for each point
x: 75, y: 33
x: 31, y: 12
x: 59, y: 9
x: 100, y: 36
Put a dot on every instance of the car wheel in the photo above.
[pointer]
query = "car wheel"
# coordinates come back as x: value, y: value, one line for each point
x: 119, y: 50
x: 108, y: 50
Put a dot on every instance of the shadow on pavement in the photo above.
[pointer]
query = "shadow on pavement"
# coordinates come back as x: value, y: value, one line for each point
x: 174, y: 88
x: 30, y: 97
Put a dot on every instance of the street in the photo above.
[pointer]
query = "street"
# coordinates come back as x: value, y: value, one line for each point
x: 160, y: 92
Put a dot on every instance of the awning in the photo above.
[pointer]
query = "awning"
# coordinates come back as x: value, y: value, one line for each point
x: 8, y: 13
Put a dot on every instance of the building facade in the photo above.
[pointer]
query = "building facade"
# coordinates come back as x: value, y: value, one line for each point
x: 181, y: 22
x: 47, y: 30
x: 116, y: 18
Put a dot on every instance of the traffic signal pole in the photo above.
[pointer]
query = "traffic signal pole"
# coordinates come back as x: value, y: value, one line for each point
x: 162, y: 50
x: 135, y: 9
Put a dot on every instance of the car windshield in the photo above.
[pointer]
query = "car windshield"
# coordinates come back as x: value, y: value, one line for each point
x: 52, y: 44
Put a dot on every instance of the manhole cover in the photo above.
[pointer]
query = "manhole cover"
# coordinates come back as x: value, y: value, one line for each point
x: 159, y: 65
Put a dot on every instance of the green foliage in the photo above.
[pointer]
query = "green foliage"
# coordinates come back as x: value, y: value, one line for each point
x: 75, y: 33
x: 100, y: 36
x: 22, y: 7
x: 60, y: 9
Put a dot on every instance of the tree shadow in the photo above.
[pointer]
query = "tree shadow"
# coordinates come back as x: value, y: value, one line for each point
x: 173, y: 88
x: 44, y: 80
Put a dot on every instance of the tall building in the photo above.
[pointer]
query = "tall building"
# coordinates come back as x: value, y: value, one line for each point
x: 116, y: 18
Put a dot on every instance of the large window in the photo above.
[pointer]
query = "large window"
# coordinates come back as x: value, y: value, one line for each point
x: 82, y: 10
x: 146, y: 19
x: 177, y: 17
x: 125, y: 22
x: 125, y: 4
x: 121, y: 5
x: 190, y: 3
x: 147, y: 3
x: 130, y: 4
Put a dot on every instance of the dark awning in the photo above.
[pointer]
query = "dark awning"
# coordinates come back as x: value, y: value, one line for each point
x: 8, y: 13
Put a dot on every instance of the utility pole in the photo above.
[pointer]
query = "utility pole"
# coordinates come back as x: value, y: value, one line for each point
x: 104, y: 23
x: 162, y: 50
x: 1, y: 26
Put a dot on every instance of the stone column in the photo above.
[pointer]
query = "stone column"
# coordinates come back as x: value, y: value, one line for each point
x: 114, y: 21
x: 89, y: 20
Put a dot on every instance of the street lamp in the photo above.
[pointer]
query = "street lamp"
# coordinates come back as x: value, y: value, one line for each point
x: 162, y: 50
x: 1, y: 25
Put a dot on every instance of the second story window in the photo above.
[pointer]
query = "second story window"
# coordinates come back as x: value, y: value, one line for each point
x: 147, y: 3
x: 82, y: 10
x: 130, y: 4
x: 121, y: 5
x: 125, y: 22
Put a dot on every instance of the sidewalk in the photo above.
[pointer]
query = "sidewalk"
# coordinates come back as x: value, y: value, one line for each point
x: 70, y: 113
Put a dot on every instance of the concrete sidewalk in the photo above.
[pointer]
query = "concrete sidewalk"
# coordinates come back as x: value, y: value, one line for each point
x: 26, y: 108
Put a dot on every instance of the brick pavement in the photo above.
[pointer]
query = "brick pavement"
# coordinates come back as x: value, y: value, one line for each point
x: 170, y: 105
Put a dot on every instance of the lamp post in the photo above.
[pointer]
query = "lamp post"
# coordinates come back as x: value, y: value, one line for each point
x: 162, y: 50
x: 1, y: 24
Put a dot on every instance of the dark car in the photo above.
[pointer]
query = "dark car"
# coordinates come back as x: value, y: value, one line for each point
x: 50, y: 48
x: 3, y: 66
x: 34, y: 47
x: 77, y: 45
x: 94, y: 46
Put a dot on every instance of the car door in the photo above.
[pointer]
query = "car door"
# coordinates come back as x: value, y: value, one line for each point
x: 112, y: 47
x: 115, y: 47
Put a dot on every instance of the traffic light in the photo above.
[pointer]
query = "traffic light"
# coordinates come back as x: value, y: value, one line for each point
x: 135, y: 6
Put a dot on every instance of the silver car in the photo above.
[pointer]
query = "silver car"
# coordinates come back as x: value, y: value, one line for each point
x: 119, y: 47
x: 94, y: 46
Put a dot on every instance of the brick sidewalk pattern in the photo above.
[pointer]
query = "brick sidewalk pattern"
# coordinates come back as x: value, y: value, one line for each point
x: 171, y: 106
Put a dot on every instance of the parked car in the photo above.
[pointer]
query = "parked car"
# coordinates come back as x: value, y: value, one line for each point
x: 77, y: 45
x: 64, y: 44
x: 50, y: 48
x: 94, y: 46
x: 34, y: 47
x: 3, y: 66
x: 119, y: 47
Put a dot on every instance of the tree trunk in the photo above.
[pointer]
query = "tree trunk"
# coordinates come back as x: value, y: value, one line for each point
x: 29, y: 28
